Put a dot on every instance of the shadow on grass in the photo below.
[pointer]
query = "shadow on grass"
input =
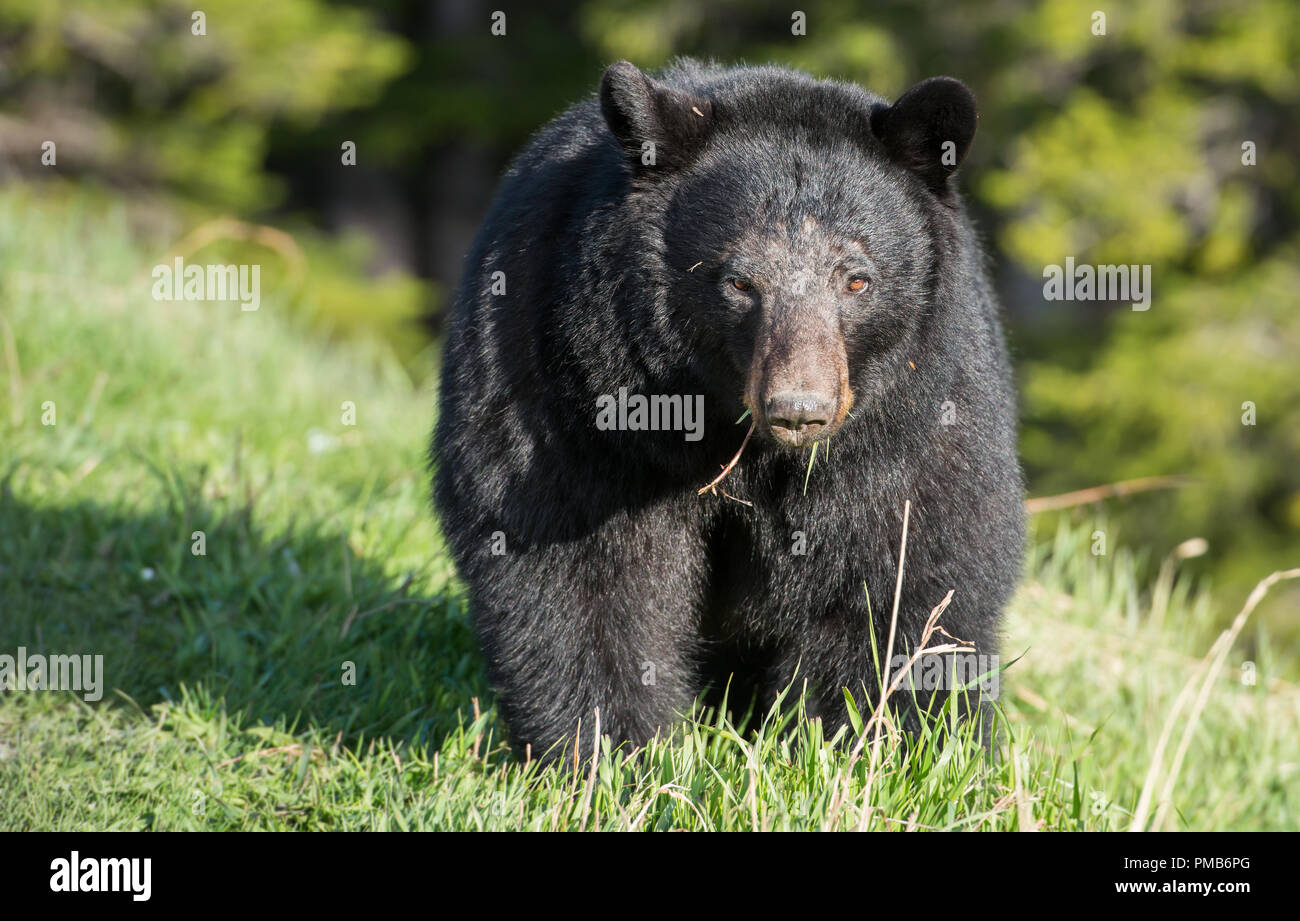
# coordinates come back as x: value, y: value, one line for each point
x: 262, y: 621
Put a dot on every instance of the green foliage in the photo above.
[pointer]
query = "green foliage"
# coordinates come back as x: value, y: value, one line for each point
x: 1072, y: 179
x: 1147, y: 167
x: 129, y: 92
x: 1172, y: 392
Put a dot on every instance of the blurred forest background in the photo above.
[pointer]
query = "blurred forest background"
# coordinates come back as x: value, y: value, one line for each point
x: 1121, y: 148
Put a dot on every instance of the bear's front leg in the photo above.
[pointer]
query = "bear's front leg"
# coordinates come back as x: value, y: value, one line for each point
x: 605, y: 620
x: 837, y: 653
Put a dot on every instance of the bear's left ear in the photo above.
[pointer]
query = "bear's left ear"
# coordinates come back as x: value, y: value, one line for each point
x: 661, y: 128
x: 929, y: 129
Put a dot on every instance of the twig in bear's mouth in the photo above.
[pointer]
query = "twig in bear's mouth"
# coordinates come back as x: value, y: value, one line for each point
x: 712, y: 485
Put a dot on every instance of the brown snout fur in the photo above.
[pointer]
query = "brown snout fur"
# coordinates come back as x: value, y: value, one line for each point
x: 799, y: 353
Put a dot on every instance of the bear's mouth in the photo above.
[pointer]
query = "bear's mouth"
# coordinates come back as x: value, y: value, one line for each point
x: 802, y: 437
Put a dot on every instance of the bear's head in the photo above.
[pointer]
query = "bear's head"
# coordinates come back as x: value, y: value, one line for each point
x: 797, y: 228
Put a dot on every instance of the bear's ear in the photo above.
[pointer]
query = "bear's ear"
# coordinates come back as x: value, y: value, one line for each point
x: 661, y: 128
x: 929, y: 129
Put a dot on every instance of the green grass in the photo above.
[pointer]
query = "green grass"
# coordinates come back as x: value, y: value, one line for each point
x: 224, y: 706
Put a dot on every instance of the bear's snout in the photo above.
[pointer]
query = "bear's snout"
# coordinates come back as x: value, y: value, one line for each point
x: 798, y: 387
x: 799, y: 417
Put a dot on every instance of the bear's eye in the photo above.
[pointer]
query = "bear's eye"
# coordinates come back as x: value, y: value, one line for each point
x: 856, y: 285
x: 742, y: 284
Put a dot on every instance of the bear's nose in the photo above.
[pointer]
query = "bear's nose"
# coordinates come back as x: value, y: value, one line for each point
x: 797, y: 417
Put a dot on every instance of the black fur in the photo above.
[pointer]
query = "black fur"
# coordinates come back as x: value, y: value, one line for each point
x: 619, y: 273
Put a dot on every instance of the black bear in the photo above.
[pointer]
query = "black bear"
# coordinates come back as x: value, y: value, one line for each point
x: 666, y: 269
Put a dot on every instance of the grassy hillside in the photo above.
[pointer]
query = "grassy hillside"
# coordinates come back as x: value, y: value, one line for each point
x: 223, y: 705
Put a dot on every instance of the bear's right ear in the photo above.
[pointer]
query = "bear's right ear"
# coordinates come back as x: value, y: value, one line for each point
x: 661, y: 128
